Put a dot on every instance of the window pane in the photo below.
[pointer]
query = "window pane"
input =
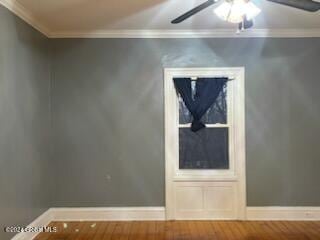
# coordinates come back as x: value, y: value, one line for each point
x: 205, y: 149
x: 217, y: 113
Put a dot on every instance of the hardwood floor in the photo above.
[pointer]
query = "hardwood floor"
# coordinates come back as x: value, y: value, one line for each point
x: 184, y: 230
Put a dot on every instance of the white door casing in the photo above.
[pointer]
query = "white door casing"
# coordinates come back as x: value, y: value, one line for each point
x: 206, y: 194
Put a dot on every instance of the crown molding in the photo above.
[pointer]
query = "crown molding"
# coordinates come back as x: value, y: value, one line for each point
x: 218, y: 33
x: 20, y: 11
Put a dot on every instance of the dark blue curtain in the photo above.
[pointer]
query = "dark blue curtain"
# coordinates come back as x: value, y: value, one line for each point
x: 206, y: 93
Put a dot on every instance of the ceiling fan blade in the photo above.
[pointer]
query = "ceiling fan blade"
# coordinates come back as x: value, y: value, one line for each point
x: 307, y: 5
x: 193, y: 11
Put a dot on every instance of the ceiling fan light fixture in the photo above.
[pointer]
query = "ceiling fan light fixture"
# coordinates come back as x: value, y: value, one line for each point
x: 235, y: 10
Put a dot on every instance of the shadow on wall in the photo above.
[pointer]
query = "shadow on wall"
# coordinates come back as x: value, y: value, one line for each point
x: 25, y: 123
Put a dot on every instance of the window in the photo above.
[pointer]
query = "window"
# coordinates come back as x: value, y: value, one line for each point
x: 209, y: 147
x: 197, y: 185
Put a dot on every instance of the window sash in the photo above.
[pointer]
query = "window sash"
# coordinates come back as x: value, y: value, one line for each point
x: 229, y: 125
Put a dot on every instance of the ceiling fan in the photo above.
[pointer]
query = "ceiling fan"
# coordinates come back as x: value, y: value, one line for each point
x: 243, y: 11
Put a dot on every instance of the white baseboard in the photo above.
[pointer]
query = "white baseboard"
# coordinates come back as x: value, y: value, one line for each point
x: 284, y: 213
x: 43, y: 220
x: 94, y: 214
x: 108, y: 214
x: 158, y: 213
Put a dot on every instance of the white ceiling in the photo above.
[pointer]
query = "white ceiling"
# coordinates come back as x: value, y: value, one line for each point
x: 103, y: 15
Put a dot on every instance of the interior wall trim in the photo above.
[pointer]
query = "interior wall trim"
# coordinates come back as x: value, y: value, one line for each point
x: 216, y: 33
x: 158, y: 214
x: 234, y: 180
x: 108, y: 214
x: 43, y: 220
x: 284, y: 213
x: 20, y: 11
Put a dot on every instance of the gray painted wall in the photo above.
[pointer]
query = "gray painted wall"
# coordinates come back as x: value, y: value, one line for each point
x: 108, y: 117
x: 26, y: 181
x: 106, y: 114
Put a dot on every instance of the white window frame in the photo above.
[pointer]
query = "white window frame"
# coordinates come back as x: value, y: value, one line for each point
x: 236, y: 124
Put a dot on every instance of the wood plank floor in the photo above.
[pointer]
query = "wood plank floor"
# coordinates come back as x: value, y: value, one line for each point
x: 184, y: 230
